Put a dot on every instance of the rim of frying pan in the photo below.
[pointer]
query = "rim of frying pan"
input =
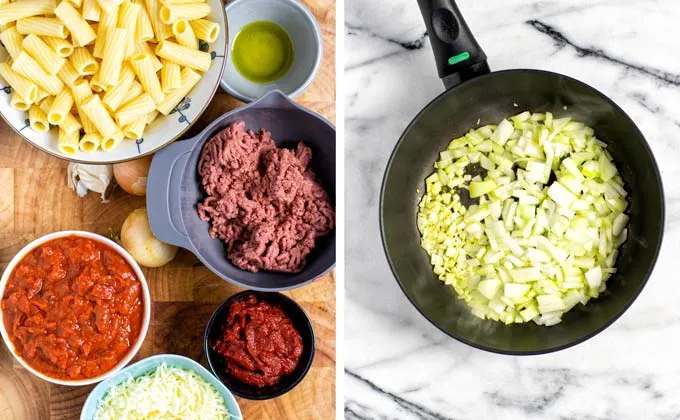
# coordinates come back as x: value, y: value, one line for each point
x: 643, y: 283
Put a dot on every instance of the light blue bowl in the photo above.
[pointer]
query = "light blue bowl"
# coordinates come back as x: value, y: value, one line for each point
x: 304, y: 31
x: 149, y: 364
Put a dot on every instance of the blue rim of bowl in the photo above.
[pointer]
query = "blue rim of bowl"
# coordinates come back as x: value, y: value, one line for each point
x: 196, y: 368
x: 317, y: 61
x: 161, y: 146
x: 213, y: 320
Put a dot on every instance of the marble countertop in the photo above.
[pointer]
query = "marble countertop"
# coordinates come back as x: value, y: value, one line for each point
x: 398, y: 366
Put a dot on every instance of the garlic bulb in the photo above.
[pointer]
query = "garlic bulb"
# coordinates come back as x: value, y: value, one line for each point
x: 83, y: 178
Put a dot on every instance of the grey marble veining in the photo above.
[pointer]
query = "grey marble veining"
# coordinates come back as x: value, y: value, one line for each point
x: 398, y: 366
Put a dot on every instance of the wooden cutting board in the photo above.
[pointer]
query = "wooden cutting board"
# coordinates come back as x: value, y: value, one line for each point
x: 35, y: 200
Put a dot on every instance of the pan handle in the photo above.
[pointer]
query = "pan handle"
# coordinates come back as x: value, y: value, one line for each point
x: 458, y: 55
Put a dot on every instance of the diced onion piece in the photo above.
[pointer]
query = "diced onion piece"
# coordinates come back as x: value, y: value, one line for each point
x: 530, y: 248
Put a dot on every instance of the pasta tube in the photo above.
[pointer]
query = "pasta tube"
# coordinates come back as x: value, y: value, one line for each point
x: 91, y: 10
x: 115, y: 96
x: 143, y: 67
x: 127, y: 19
x: 143, y: 47
x: 112, y: 142
x: 135, y: 130
x: 134, y: 91
x: 26, y: 66
x: 49, y: 60
x: 181, y: 1
x: 62, y: 47
x: 67, y: 143
x: 18, y: 103
x: 184, y: 34
x: 46, y: 104
x: 42, y: 26
x: 107, y: 20
x: 90, y: 142
x: 70, y: 124
x: 95, y: 111
x: 68, y: 74
x: 81, y: 32
x: 186, y: 57
x: 38, y: 119
x: 171, y: 77
x: 109, y: 5
x: 144, y: 30
x: 60, y: 107
x: 173, y: 12
x: 189, y: 80
x: 12, y: 40
x: 160, y: 29
x: 114, y: 54
x: 96, y: 85
x: 81, y: 92
x: 151, y: 117
x: 25, y: 8
x: 41, y: 95
x: 134, y: 109
x: 83, y: 62
x: 22, y: 86
x: 205, y: 29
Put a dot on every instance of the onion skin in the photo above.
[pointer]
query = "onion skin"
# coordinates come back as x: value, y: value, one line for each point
x: 137, y: 238
x: 132, y: 175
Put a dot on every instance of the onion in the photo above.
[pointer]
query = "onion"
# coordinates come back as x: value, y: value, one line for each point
x: 138, y: 240
x: 544, y: 232
x: 132, y: 175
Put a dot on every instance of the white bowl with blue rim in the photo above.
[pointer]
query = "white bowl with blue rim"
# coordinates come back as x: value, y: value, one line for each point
x: 148, y: 365
x: 163, y: 131
x: 304, y: 32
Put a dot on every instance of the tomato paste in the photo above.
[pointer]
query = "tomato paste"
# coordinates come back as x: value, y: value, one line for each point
x: 259, y: 343
x: 73, y: 308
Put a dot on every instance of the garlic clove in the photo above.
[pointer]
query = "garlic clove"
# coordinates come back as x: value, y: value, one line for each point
x: 82, y: 178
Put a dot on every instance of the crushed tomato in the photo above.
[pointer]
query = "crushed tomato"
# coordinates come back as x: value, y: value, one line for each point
x: 73, y: 308
x: 260, y: 344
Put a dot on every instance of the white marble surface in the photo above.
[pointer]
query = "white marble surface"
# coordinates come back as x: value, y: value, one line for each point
x: 398, y: 366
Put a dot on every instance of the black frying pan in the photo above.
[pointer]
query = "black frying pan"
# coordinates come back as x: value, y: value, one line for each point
x: 476, y: 94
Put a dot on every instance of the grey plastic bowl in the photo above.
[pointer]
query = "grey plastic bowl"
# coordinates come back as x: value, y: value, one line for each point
x: 174, y: 189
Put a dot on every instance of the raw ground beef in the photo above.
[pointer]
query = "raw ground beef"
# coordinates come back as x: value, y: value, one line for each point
x: 263, y: 202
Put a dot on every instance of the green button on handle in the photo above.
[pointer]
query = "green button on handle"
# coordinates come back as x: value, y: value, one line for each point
x: 458, y: 58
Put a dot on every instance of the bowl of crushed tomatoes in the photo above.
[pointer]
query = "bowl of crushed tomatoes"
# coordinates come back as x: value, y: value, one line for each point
x: 74, y: 307
x: 259, y: 344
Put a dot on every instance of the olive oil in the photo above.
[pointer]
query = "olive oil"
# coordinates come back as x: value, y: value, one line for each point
x: 262, y: 52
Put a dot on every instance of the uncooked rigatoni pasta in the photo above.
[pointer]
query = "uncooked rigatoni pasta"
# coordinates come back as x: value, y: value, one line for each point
x: 102, y: 70
x: 42, y: 26
x: 143, y: 67
x: 68, y: 142
x: 26, y: 66
x: 11, y: 12
x: 38, y: 119
x: 186, y: 57
x: 18, y: 103
x: 61, y: 106
x: 61, y: 46
x: 81, y: 31
x: 48, y: 59
x: 12, y: 40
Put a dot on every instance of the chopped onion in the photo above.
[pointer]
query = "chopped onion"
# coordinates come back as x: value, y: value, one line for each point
x: 548, y: 217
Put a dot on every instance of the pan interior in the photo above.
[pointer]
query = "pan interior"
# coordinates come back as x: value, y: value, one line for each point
x: 488, y: 100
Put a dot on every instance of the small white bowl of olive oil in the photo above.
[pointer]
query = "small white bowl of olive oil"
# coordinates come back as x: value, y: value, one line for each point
x: 274, y: 44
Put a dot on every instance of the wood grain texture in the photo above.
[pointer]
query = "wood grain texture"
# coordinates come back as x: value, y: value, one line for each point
x: 34, y: 200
